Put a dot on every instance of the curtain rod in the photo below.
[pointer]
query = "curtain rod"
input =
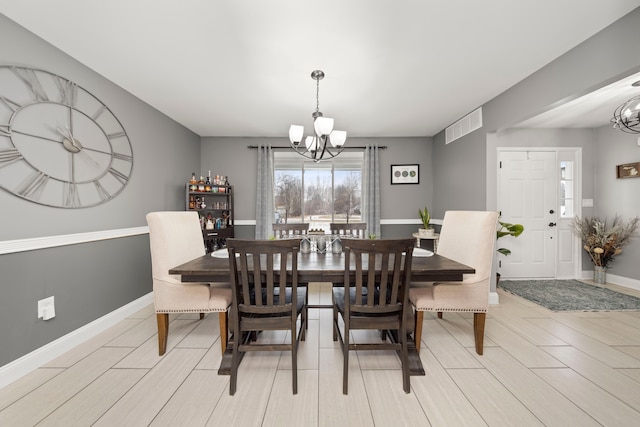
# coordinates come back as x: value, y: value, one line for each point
x: 255, y: 147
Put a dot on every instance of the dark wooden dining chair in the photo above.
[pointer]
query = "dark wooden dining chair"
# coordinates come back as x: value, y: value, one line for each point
x: 265, y: 297
x: 375, y: 296
x: 281, y: 231
x: 349, y: 230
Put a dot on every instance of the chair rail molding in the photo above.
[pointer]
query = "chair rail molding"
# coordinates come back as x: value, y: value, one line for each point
x: 31, y: 244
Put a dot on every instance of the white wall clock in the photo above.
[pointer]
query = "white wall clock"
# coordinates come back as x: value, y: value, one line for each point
x: 60, y: 146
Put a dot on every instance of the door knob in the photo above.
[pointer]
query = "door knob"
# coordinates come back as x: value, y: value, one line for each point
x: 552, y: 211
x: 552, y: 224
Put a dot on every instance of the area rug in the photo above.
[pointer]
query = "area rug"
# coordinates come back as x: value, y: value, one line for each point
x: 570, y: 295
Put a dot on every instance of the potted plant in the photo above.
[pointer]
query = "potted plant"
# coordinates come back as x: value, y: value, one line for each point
x: 604, y: 241
x: 425, y: 217
x: 507, y: 229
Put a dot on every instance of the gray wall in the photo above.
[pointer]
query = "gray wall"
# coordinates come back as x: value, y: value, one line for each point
x: 230, y: 156
x: 92, y: 279
x: 617, y: 196
x: 465, y: 170
x: 88, y: 280
x: 460, y: 168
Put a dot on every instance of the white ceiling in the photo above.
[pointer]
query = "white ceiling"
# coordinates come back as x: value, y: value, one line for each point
x: 242, y: 68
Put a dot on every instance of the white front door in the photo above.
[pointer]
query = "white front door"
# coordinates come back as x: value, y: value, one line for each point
x: 528, y: 195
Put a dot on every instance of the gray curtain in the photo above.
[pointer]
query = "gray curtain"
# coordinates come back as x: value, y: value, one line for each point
x: 371, y: 190
x: 264, y: 197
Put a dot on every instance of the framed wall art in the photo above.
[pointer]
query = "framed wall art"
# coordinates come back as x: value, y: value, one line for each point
x: 405, y: 174
x: 628, y: 170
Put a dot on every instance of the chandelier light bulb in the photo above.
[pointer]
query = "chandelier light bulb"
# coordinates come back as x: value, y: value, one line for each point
x: 337, y: 138
x: 311, y: 143
x: 323, y: 126
x: 296, y: 133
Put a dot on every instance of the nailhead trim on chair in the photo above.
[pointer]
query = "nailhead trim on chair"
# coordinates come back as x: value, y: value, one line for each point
x: 473, y: 310
x: 207, y: 310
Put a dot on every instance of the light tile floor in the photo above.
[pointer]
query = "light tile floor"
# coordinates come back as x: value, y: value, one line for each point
x: 539, y: 368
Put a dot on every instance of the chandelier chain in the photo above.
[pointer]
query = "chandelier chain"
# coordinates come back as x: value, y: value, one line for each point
x: 317, y: 95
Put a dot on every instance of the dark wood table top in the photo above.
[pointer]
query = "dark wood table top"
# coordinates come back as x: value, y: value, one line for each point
x: 316, y: 267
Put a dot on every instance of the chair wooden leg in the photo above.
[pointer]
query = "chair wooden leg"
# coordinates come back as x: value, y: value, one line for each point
x: 235, y: 358
x: 439, y: 315
x: 306, y: 309
x: 478, y: 331
x: 345, y: 356
x: 201, y: 316
x: 417, y: 330
x: 163, y: 332
x: 223, y: 318
x: 294, y: 358
x: 406, y: 384
x: 335, y: 322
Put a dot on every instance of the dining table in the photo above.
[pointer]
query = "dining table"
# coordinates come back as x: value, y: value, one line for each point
x: 325, y: 267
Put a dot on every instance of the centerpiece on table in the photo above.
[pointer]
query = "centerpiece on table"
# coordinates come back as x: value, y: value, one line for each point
x: 603, y: 241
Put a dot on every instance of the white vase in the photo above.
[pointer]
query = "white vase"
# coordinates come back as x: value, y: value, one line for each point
x: 425, y: 232
x: 600, y: 274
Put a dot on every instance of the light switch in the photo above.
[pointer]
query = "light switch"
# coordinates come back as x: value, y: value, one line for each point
x: 46, y: 309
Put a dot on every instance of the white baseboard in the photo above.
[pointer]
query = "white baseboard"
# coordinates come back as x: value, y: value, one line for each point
x: 43, y: 355
x: 615, y: 280
x: 494, y: 298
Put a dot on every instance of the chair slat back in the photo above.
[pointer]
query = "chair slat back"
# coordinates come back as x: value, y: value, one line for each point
x: 379, y: 271
x: 282, y: 231
x: 261, y: 271
x: 349, y: 230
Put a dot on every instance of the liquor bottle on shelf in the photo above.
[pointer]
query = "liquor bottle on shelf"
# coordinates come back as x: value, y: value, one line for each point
x: 214, y: 207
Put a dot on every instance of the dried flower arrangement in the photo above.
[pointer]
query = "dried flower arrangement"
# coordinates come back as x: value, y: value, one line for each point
x: 604, y: 241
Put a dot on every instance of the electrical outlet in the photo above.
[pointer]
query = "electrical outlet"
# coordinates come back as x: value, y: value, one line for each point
x: 46, y: 308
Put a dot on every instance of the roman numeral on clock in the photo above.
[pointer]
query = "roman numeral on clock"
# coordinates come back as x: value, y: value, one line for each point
x: 32, y: 187
x: 9, y: 156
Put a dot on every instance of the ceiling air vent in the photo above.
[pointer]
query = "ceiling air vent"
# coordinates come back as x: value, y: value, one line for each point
x: 465, y: 125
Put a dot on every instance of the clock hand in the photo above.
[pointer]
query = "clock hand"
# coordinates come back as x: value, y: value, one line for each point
x: 89, y: 158
x: 76, y: 147
x: 35, y: 136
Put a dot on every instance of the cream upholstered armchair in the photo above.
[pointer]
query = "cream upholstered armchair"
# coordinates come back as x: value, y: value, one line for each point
x: 175, y: 238
x: 468, y: 237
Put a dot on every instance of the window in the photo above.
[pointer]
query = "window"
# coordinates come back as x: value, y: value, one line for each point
x: 566, y: 189
x: 317, y: 193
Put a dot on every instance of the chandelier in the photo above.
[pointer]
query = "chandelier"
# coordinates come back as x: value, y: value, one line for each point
x: 325, y: 143
x: 627, y: 116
